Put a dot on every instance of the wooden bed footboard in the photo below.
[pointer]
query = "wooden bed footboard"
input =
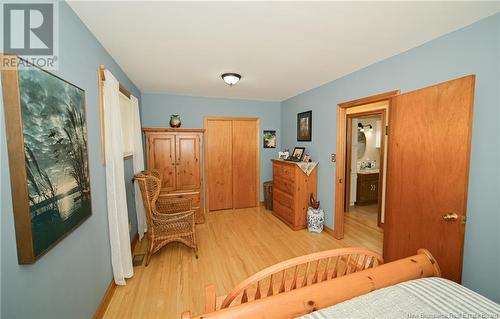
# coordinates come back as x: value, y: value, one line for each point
x: 321, y: 294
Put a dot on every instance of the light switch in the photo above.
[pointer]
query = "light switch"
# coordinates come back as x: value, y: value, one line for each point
x: 334, y: 158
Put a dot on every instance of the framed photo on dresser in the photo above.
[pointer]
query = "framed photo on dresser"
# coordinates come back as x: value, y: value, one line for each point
x: 297, y: 154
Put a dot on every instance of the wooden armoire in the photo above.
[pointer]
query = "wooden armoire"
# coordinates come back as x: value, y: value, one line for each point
x: 177, y: 153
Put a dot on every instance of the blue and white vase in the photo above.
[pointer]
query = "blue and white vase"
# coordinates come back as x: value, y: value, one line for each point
x: 315, y: 220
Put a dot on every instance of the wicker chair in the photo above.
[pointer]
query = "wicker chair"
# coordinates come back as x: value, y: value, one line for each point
x: 168, y: 219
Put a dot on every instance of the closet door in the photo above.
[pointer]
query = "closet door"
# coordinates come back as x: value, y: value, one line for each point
x: 245, y: 156
x: 162, y: 157
x: 219, y: 168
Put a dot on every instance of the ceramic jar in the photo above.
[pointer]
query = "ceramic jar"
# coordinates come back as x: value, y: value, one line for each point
x: 315, y: 220
x: 175, y: 121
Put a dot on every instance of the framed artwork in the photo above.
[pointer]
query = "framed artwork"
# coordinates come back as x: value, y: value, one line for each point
x: 297, y: 154
x: 269, y: 139
x: 283, y: 155
x: 307, y: 158
x: 304, y: 126
x: 48, y: 157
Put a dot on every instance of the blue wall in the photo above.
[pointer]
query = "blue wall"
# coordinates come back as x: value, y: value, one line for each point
x: 70, y: 280
x: 471, y: 50
x: 156, y: 110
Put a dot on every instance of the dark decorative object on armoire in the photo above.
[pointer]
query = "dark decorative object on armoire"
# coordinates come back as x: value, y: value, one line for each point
x: 304, y: 126
x: 175, y: 121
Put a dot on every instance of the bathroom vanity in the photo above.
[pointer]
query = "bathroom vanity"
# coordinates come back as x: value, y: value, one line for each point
x: 367, y: 187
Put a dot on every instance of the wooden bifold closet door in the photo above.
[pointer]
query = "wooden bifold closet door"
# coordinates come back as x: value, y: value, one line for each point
x: 232, y: 165
x: 219, y: 168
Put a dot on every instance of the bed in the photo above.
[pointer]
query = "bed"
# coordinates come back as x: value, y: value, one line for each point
x: 349, y: 283
x: 431, y: 297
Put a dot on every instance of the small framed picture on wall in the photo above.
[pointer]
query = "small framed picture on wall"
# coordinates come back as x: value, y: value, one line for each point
x: 304, y: 126
x: 269, y: 139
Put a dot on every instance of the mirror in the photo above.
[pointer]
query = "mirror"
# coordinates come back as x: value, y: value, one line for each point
x: 361, y: 144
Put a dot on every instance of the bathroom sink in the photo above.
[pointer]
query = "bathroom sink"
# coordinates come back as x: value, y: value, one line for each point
x: 368, y: 171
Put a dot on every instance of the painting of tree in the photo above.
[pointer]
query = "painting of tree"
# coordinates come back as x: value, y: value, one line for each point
x: 56, y: 155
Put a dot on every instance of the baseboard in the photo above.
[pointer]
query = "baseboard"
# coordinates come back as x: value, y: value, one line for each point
x: 103, y: 306
x: 329, y: 231
x: 134, y: 242
x: 106, y: 299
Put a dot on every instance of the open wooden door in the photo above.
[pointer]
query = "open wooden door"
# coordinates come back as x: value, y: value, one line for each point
x: 427, y: 173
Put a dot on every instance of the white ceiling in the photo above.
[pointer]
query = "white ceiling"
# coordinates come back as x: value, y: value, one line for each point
x: 280, y: 48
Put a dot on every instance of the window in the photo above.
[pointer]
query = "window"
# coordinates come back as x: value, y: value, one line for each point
x: 127, y: 125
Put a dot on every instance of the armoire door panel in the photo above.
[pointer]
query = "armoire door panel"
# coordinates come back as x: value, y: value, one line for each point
x: 245, y: 163
x: 161, y: 155
x: 187, y: 163
x: 219, y: 168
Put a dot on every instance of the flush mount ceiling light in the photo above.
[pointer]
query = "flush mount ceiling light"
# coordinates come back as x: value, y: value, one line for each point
x: 231, y: 78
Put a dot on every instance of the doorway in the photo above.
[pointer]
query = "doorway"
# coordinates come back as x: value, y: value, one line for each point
x: 428, y: 150
x: 365, y: 167
x: 362, y: 111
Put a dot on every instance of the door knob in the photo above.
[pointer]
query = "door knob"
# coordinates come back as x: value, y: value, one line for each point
x: 450, y: 217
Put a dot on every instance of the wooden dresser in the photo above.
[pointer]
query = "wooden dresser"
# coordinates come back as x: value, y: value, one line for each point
x: 292, y: 189
x: 177, y: 154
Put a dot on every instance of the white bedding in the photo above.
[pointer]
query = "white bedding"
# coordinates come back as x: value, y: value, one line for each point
x: 422, y: 298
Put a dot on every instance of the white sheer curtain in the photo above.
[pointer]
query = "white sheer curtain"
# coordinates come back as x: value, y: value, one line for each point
x: 121, y: 255
x: 138, y: 159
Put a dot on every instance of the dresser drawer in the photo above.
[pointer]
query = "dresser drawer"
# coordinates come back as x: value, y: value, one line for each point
x: 284, y: 185
x: 195, y: 197
x: 283, y: 211
x: 283, y: 198
x: 284, y: 170
x: 287, y: 171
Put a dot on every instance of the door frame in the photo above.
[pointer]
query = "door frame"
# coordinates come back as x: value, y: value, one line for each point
x: 206, y: 146
x: 383, y: 118
x: 341, y: 150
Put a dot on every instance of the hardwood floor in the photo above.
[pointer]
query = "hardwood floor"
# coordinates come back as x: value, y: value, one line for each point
x: 366, y: 214
x: 360, y: 228
x: 233, y: 245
